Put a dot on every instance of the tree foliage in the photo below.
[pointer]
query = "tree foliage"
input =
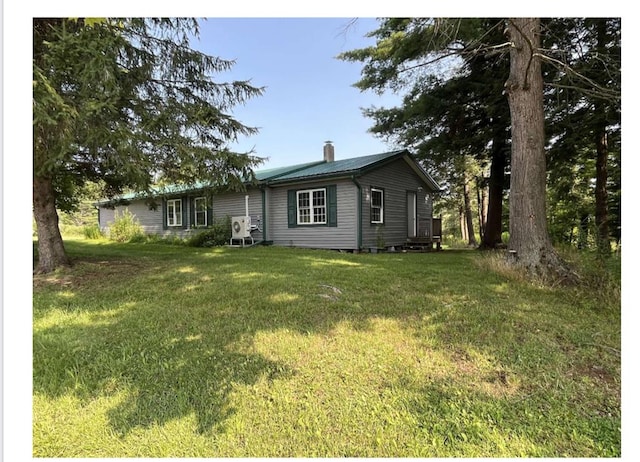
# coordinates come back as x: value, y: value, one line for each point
x: 583, y: 105
x: 452, y: 73
x: 128, y: 102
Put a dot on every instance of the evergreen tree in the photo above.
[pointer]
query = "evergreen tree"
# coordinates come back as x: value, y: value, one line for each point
x: 529, y: 238
x: 583, y: 121
x: 454, y: 71
x: 125, y: 102
x: 460, y: 109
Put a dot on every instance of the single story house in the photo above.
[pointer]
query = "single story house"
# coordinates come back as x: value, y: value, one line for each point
x: 380, y: 200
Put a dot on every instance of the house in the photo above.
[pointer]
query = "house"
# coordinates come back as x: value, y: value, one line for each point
x: 380, y: 200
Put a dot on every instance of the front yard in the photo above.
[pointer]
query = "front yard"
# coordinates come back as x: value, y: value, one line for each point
x: 149, y: 350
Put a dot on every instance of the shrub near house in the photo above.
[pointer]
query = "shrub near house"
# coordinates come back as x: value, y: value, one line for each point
x: 125, y: 227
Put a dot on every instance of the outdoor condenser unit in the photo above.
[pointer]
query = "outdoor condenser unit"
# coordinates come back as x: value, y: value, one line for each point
x: 241, y: 227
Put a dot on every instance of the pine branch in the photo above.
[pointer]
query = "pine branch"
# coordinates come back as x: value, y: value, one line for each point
x: 602, y: 92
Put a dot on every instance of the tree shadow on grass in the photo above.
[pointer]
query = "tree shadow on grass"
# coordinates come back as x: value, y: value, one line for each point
x: 176, y: 339
x: 165, y: 374
x: 167, y: 355
x: 173, y: 338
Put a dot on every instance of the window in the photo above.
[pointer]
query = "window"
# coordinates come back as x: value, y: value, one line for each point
x: 317, y: 206
x: 174, y: 212
x: 200, y: 211
x: 312, y: 207
x: 377, y: 205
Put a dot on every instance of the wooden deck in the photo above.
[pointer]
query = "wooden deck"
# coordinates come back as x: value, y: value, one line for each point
x: 423, y: 244
x: 430, y: 236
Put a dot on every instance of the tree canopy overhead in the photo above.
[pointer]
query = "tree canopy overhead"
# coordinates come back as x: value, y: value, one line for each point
x: 127, y: 102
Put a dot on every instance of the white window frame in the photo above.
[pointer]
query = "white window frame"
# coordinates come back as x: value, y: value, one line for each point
x: 174, y: 213
x: 323, y: 210
x: 381, y: 207
x: 196, y: 211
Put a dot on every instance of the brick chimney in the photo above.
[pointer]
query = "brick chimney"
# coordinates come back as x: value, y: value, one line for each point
x: 328, y: 151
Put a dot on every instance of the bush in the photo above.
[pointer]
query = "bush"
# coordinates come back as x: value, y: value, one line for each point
x: 125, y: 228
x: 167, y: 240
x: 218, y: 234
x: 138, y: 239
x: 92, y: 232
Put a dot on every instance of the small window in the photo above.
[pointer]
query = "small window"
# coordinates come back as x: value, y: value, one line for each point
x: 377, y: 205
x: 174, y: 212
x: 200, y: 211
x: 312, y: 207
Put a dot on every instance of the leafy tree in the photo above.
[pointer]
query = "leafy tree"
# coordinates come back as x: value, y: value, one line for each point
x: 125, y: 102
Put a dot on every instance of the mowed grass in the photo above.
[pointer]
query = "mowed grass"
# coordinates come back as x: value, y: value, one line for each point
x: 165, y: 351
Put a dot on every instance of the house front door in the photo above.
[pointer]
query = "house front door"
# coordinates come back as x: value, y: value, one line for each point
x: 412, y: 212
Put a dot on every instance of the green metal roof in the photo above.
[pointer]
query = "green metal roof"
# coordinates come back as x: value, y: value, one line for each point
x: 339, y: 167
x: 264, y: 175
x: 299, y: 172
x: 353, y: 166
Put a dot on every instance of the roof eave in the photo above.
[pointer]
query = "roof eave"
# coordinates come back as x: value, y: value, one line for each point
x: 311, y: 178
x: 421, y: 172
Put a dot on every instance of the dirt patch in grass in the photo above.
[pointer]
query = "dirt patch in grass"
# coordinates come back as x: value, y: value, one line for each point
x: 596, y: 373
x: 463, y: 362
x: 87, y: 271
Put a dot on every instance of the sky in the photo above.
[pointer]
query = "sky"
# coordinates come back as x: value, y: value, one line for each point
x: 309, y: 96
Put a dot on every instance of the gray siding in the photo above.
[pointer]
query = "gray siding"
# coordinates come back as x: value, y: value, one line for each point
x: 233, y: 205
x: 343, y: 236
x: 223, y: 205
x: 150, y: 220
x: 396, y: 179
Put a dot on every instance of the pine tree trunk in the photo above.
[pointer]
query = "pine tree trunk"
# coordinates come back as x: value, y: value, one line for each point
x: 51, y: 253
x: 529, y: 238
x: 463, y: 226
x: 493, y: 228
x: 602, y: 212
x: 482, y: 213
x: 468, y: 214
x: 602, y: 150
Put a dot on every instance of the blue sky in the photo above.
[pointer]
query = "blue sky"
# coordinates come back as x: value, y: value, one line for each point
x: 309, y: 96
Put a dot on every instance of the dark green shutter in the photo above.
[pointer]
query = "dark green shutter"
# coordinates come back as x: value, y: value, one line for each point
x: 292, y: 208
x: 332, y: 205
x: 192, y: 211
x: 209, y: 200
x: 164, y: 214
x: 185, y: 212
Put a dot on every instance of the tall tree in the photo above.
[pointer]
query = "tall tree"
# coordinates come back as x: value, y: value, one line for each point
x: 454, y: 71
x: 460, y: 107
x: 123, y: 102
x: 529, y: 238
x: 583, y: 106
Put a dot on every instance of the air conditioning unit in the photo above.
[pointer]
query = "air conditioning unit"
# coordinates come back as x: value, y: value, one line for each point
x: 240, y: 227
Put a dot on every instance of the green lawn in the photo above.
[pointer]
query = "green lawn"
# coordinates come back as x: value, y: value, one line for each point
x: 150, y: 350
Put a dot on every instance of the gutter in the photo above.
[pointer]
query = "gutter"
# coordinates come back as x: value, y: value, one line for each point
x: 313, y: 178
x: 264, y: 214
x: 358, y: 213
